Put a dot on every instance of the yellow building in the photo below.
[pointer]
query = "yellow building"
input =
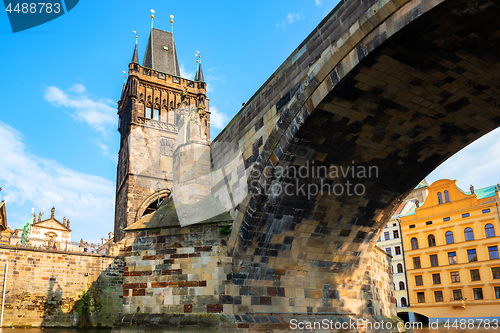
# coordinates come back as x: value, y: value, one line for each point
x: 451, y: 253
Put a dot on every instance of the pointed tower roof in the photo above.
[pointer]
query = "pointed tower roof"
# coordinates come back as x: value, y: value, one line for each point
x: 160, y: 52
x: 199, y: 74
x: 135, y: 57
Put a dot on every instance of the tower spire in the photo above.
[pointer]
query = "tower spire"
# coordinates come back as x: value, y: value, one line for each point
x: 152, y: 17
x: 135, y: 56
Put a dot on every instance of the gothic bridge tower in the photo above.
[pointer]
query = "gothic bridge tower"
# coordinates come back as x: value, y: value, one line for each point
x: 149, y: 113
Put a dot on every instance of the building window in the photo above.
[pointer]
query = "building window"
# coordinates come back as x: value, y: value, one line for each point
x: 478, y: 293
x: 497, y: 292
x: 436, y: 278
x: 421, y: 297
x: 400, y: 268
x: 414, y: 243
x: 455, y: 277
x: 431, y: 240
x: 394, y: 224
x: 405, y: 303
x: 412, y: 226
x: 395, y: 233
x: 418, y: 280
x: 471, y: 254
x: 449, y: 237
x: 446, y: 219
x: 495, y: 272
x: 446, y: 196
x: 388, y: 250
x: 486, y: 211
x: 434, y: 260
x: 469, y: 234
x: 440, y: 198
x: 457, y: 294
x: 397, y: 250
x: 386, y: 235
x: 452, y: 258
x: 490, y: 230
x: 465, y: 215
x: 416, y: 262
x: 401, y: 285
x: 148, y: 113
x: 428, y: 223
x: 156, y: 114
x: 379, y: 238
x: 493, y: 251
x: 474, y: 275
x: 438, y: 296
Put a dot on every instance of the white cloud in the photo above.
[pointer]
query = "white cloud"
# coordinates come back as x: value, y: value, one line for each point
x: 77, y: 88
x: 290, y: 18
x: 217, y: 119
x: 97, y: 113
x: 210, y: 88
x: 476, y: 164
x: 186, y: 74
x: 32, y: 181
x: 104, y: 148
x: 318, y: 2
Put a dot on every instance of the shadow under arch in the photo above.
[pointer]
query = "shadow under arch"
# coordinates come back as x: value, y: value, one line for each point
x: 150, y: 200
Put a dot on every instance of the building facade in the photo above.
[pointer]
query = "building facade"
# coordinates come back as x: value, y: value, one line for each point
x: 149, y: 111
x: 451, y: 253
x: 390, y: 240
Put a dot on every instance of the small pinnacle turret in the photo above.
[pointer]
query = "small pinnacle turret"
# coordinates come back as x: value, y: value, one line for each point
x: 199, y: 74
x: 135, y: 56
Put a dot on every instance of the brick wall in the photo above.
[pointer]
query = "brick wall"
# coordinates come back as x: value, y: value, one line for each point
x: 176, y: 270
x: 59, y: 289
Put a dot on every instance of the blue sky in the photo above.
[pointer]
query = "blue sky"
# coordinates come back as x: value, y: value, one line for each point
x: 61, y: 82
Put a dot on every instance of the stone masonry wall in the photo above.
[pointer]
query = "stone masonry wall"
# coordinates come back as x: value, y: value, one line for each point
x: 60, y: 289
x: 176, y: 270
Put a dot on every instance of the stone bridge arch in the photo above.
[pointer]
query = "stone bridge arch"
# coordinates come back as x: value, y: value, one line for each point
x: 400, y: 85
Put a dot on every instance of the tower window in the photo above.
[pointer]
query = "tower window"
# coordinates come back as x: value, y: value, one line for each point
x: 446, y: 196
x: 440, y: 198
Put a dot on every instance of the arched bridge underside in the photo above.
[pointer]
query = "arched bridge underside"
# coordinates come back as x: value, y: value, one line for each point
x: 405, y: 87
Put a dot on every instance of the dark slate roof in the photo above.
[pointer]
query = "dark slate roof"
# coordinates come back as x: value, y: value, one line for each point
x: 167, y: 216
x: 199, y: 74
x: 159, y: 58
x: 135, y: 57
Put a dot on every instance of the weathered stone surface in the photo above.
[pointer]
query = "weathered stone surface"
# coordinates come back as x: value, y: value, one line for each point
x: 46, y: 288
